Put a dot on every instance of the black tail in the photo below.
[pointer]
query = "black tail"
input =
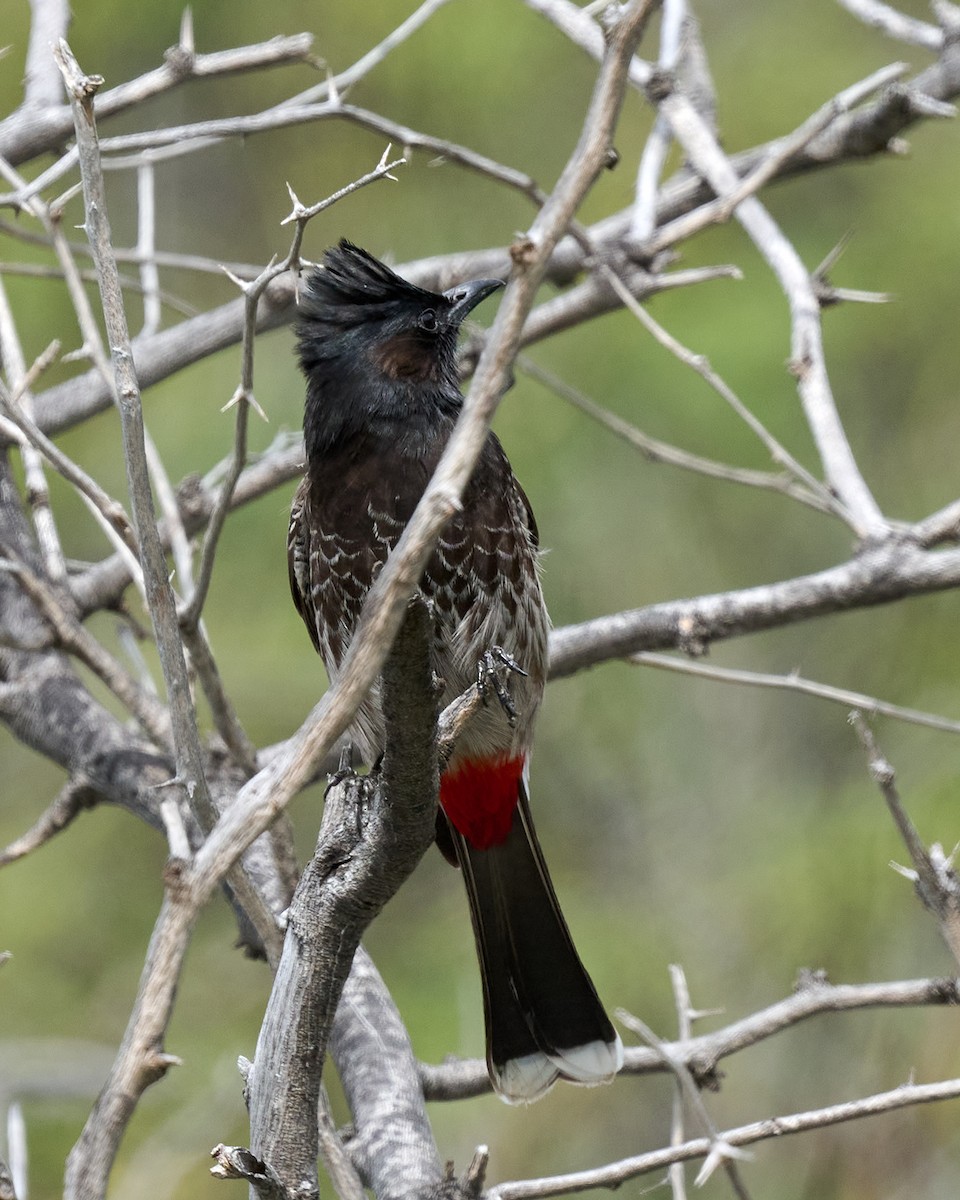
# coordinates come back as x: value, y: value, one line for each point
x: 544, y: 1018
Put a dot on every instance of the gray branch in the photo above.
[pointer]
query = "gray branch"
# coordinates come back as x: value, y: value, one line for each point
x: 879, y: 574
x: 393, y: 1147
x: 371, y: 838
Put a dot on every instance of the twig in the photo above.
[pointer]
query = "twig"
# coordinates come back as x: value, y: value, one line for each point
x: 721, y: 1152
x: 681, y: 1002
x: 71, y: 800
x: 14, y: 1180
x: 182, y: 139
x: 933, y: 875
x: 657, y: 451
x: 612, y: 1175
x: 38, y: 495
x: 770, y: 164
x: 701, y: 365
x: 28, y: 133
x: 341, y: 82
x: 813, y: 996
x: 895, y: 24
x: 73, y: 637
x: 942, y: 526
x: 162, y: 258
x: 347, y: 1184
x: 243, y: 397
x: 794, y: 682
x: 807, y: 359
x: 657, y: 145
x: 146, y: 248
x: 82, y: 89
x: 129, y: 283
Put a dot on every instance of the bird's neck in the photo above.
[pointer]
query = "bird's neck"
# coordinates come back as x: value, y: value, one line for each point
x: 379, y: 415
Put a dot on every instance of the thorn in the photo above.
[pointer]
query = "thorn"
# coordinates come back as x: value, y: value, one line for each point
x: 383, y: 165
x: 187, y: 44
x: 833, y: 256
x: 698, y: 1014
x: 246, y: 397
x: 235, y: 279
x: 720, y: 1152
x: 299, y: 211
x: 923, y: 105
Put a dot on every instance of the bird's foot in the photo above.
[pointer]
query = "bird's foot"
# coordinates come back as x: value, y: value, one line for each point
x: 344, y: 769
x: 492, y: 662
x: 362, y: 786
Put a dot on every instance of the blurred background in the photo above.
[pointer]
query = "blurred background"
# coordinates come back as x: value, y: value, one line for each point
x: 735, y: 832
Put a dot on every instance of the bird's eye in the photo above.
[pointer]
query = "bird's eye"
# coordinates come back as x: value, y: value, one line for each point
x: 428, y: 320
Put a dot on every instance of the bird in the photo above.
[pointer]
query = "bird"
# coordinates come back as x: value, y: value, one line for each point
x: 379, y: 355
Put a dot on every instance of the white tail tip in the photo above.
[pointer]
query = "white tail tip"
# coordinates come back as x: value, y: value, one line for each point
x: 523, y: 1080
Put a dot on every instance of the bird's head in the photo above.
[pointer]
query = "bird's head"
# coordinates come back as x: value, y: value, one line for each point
x: 354, y: 307
x: 379, y: 353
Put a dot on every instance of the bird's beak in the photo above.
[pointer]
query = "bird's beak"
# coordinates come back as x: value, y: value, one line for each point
x: 466, y: 296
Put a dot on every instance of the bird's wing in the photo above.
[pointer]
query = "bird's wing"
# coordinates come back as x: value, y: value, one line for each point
x: 298, y: 562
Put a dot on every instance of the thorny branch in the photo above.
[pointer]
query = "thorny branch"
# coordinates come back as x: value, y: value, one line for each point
x: 933, y: 874
x: 813, y: 996
x: 618, y: 261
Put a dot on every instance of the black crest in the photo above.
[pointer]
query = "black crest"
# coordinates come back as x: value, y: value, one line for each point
x: 352, y: 287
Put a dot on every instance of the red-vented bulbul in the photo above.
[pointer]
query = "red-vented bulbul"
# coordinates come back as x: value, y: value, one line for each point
x: 379, y: 356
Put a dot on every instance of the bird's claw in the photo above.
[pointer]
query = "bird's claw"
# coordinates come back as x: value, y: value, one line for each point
x: 488, y: 676
x: 344, y: 769
x: 363, y: 785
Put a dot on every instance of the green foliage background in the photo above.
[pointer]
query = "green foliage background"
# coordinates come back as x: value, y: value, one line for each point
x: 734, y: 832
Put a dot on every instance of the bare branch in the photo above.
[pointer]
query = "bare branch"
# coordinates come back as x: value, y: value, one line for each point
x: 794, y: 682
x: 82, y: 89
x: 393, y: 1145
x: 701, y: 365
x: 614, y: 1174
x: 721, y: 1151
x: 878, y: 574
x: 895, y: 24
x: 807, y: 360
x: 933, y: 874
x: 28, y: 132
x: 75, y: 639
x: 942, y: 526
x: 658, y: 143
x: 11, y: 356
x: 352, y: 875
x: 42, y: 86
x: 73, y: 798
x: 813, y: 996
x: 661, y: 452
x: 340, y: 83
x: 769, y: 166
